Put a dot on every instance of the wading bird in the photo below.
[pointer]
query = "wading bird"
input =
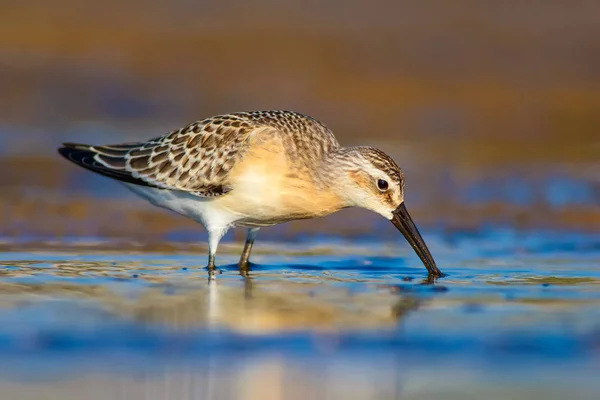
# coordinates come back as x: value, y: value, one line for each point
x: 255, y: 169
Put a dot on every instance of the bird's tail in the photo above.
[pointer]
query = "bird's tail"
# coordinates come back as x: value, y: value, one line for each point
x: 109, y: 161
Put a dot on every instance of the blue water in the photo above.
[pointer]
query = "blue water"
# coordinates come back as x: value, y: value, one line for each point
x: 513, y: 302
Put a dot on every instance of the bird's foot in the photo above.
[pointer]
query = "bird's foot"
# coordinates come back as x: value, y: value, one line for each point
x: 212, y: 270
x: 247, y: 265
x: 245, y: 268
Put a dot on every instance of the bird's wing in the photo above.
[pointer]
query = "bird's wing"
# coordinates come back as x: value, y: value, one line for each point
x: 196, y: 158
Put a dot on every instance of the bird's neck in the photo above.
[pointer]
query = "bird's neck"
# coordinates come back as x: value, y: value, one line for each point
x: 338, y: 172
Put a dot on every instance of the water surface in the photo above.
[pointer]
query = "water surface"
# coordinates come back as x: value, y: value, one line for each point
x: 352, y: 319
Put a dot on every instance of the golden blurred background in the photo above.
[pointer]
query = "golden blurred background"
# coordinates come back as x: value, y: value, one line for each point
x: 491, y: 108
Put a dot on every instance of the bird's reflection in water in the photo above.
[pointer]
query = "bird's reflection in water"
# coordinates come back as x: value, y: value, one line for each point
x: 176, y: 297
x: 252, y: 306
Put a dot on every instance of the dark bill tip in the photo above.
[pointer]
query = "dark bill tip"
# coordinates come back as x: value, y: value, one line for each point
x: 402, y: 220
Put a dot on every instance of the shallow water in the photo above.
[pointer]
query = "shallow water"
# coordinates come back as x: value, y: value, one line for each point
x: 518, y: 315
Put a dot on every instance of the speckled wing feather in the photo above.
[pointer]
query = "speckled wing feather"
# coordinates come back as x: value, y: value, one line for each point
x: 199, y: 157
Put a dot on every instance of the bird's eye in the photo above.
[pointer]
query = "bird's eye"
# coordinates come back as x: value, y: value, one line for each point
x: 382, y: 185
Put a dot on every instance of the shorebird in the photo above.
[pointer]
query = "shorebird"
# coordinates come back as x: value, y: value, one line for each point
x: 255, y: 169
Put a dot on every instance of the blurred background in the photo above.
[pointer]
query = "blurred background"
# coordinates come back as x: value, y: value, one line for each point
x: 492, y: 109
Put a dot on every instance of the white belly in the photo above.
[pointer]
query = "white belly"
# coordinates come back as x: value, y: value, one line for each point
x: 203, y: 210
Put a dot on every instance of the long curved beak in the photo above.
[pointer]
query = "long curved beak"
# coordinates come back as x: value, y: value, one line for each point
x: 402, y: 220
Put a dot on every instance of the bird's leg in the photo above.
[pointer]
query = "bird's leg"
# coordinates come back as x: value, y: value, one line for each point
x: 214, y: 236
x: 211, y: 262
x: 244, y: 263
x: 211, y: 265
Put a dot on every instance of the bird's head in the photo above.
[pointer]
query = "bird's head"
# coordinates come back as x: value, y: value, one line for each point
x: 376, y: 183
